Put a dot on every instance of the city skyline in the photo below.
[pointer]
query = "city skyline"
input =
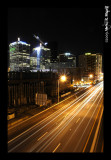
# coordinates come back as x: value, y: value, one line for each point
x: 21, y: 58
x: 76, y: 30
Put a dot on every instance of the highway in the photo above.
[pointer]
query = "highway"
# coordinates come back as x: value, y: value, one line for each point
x: 71, y: 126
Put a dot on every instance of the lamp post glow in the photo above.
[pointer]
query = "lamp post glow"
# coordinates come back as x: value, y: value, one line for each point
x: 91, y: 76
x: 62, y: 78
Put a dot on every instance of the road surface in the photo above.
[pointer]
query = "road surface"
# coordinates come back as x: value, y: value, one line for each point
x: 74, y: 125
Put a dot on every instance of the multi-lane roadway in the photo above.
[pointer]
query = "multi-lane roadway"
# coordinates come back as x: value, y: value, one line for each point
x: 73, y: 125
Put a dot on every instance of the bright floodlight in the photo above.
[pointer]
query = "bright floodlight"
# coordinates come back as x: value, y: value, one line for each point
x: 37, y: 49
x: 63, y: 78
x: 46, y: 43
x: 67, y: 54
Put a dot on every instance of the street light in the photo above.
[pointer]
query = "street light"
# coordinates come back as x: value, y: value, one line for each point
x: 91, y: 76
x: 82, y: 81
x: 63, y: 79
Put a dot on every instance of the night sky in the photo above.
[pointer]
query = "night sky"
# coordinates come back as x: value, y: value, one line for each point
x: 76, y: 30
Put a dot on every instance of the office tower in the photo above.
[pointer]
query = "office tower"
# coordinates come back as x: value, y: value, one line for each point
x: 19, y: 53
x: 33, y: 61
x: 91, y: 64
x: 98, y: 65
x: 67, y: 60
x: 44, y: 58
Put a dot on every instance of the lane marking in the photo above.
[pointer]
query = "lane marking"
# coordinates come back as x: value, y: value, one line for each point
x: 59, y: 131
x: 54, y: 136
x: 42, y: 136
x: 80, y: 97
x: 92, y: 128
x: 83, y: 95
x: 63, y: 128
x: 77, y: 127
x: 56, y: 148
x: 77, y: 120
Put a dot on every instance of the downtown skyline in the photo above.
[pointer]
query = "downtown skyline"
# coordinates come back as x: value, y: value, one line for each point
x: 76, y: 30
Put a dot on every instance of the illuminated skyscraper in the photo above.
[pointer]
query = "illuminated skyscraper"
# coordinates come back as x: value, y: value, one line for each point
x: 44, y: 58
x: 91, y: 64
x: 19, y: 56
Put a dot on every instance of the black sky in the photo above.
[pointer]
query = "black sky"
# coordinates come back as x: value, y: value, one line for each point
x: 77, y: 30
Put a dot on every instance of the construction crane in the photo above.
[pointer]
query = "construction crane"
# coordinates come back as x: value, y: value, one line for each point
x: 41, y: 42
x: 38, y: 49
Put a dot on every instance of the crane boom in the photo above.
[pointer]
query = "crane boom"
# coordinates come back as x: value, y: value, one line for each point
x: 39, y: 51
x: 40, y: 40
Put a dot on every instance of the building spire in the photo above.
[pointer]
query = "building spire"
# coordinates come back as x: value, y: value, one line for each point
x: 18, y: 38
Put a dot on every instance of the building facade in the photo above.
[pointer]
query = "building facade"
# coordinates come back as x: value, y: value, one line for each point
x: 98, y: 65
x: 40, y: 57
x: 45, y: 58
x: 33, y: 61
x: 67, y: 60
x: 23, y: 87
x: 19, y: 56
x: 90, y: 64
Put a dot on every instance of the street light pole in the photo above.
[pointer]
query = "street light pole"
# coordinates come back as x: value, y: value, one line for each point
x: 62, y: 78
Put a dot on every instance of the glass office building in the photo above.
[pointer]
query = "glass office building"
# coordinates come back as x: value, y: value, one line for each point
x: 43, y: 59
x: 91, y: 64
x: 19, y: 56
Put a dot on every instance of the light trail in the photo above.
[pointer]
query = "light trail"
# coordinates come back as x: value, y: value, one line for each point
x: 47, y: 143
x: 50, y: 108
x: 97, y: 130
x: 42, y: 111
x: 87, y: 124
x: 61, y: 123
x: 54, y: 114
x: 42, y: 136
x: 81, y: 122
x: 56, y: 148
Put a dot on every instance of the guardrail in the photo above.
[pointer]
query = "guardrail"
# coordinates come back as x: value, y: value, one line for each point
x: 63, y: 95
